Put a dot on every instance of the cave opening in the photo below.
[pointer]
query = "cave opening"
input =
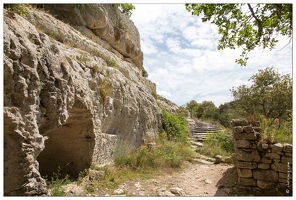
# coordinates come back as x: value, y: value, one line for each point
x: 69, y: 149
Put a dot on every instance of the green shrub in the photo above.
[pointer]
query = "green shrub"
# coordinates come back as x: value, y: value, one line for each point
x: 111, y: 62
x: 273, y: 132
x: 122, y: 151
x: 165, y: 154
x: 219, y: 143
x: 175, y: 127
x: 21, y: 9
x: 144, y: 73
x: 56, y: 184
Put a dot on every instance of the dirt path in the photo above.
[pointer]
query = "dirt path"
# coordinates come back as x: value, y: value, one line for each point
x: 194, y: 180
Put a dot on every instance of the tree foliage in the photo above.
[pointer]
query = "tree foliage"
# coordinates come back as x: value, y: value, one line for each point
x: 246, y: 25
x: 227, y: 112
x: 207, y: 110
x: 204, y: 110
x: 126, y: 8
x: 270, y: 95
x: 192, y: 107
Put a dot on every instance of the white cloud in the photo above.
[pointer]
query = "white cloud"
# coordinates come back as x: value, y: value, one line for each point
x: 148, y: 47
x: 181, y: 57
x: 173, y: 45
x: 164, y: 93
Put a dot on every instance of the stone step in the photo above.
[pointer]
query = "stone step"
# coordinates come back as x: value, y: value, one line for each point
x: 201, y: 133
x: 198, y: 136
x: 203, y: 161
x: 204, y: 130
x: 196, y: 144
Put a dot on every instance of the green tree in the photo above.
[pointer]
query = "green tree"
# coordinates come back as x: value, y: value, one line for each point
x: 270, y: 95
x: 227, y: 112
x: 192, y: 107
x: 126, y: 8
x: 247, y: 25
x: 207, y: 110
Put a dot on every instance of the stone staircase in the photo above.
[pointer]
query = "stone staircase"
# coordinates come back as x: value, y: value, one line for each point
x: 198, y: 132
x: 200, y: 129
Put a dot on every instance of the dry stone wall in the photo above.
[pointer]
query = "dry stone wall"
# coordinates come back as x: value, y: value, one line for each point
x: 260, y: 163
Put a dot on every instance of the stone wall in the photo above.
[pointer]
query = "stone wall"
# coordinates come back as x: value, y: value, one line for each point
x: 260, y: 163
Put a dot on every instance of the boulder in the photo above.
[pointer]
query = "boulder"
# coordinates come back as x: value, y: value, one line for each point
x: 219, y: 159
x: 96, y: 175
x: 177, y: 191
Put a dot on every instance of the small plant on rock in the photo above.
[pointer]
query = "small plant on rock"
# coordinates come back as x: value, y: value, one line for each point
x: 105, y: 89
x: 144, y: 73
x: 56, y: 184
x: 111, y: 62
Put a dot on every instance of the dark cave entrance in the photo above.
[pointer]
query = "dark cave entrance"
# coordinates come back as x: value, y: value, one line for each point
x: 69, y: 148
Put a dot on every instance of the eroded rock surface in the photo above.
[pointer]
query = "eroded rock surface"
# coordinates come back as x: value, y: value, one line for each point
x: 103, y: 22
x: 68, y: 98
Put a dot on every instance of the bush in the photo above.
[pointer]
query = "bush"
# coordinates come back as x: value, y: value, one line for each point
x: 121, y: 153
x: 144, y: 73
x: 273, y: 131
x: 219, y: 143
x: 165, y: 154
x: 21, y: 9
x: 175, y: 127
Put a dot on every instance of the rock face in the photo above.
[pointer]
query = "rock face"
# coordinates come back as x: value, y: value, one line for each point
x: 68, y: 98
x: 103, y: 22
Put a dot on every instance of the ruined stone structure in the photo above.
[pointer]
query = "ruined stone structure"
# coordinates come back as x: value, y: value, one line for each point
x: 70, y: 95
x: 260, y: 163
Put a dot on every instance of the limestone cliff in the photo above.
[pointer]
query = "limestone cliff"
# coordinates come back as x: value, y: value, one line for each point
x: 69, y: 95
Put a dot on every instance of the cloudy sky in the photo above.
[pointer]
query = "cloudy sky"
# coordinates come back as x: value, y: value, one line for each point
x: 181, y: 57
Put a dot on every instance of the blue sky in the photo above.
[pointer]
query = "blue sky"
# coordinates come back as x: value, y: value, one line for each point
x: 181, y: 57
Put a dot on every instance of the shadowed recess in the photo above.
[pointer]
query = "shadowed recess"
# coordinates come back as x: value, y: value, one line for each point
x: 69, y: 148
